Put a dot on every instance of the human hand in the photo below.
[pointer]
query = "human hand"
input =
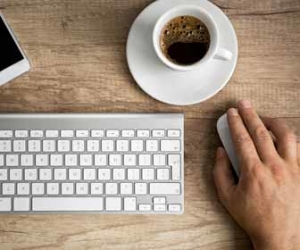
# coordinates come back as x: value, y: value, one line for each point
x: 266, y: 200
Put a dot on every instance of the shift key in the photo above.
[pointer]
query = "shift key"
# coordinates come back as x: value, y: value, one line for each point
x: 5, y: 204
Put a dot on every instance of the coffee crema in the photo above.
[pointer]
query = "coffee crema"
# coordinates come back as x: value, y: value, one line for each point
x: 185, y: 40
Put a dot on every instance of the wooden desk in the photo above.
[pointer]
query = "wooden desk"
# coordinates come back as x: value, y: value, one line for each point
x: 77, y: 50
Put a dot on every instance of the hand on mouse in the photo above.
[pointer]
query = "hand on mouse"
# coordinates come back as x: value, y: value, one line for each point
x: 266, y: 199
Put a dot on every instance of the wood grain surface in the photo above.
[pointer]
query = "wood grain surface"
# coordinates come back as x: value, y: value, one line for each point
x: 77, y: 51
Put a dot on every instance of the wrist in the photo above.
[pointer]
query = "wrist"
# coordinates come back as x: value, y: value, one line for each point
x: 278, y: 244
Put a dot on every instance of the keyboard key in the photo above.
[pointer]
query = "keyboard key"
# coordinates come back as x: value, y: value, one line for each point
x: 63, y: 146
x: 159, y: 200
x: 23, y: 189
x: 67, y: 133
x: 78, y: 146
x: 34, y: 146
x: 41, y: 160
x: 107, y: 145
x: 89, y: 174
x: 127, y: 133
x: 97, y: 133
x: 8, y: 188
x: 75, y: 174
x: 126, y: 188
x: 5, y: 146
x: 129, y: 204
x: 96, y: 188
x: 82, y: 133
x: 158, y: 133
x: 16, y: 174
x: 118, y: 174
x: 122, y: 145
x: 148, y: 174
x: 143, y: 133
x: 82, y: 188
x: 165, y: 188
x: 67, y: 204
x: 52, y: 188
x: 31, y: 174
x: 12, y: 160
x: 133, y: 174
x: 144, y: 207
x: 170, y: 145
x: 52, y: 133
x: 67, y: 188
x: 104, y: 174
x: 6, y: 134
x: 163, y: 174
x: 159, y: 160
x: 130, y: 160
x: 93, y: 146
x: 100, y: 160
x: 38, y: 188
x: 137, y: 145
x: 3, y: 175
x: 45, y: 174
x: 60, y: 174
x: 113, y: 204
x: 56, y: 160
x: 140, y: 188
x: 1, y: 160
x: 85, y: 160
x: 174, y: 163
x: 26, y: 160
x: 111, y: 188
x: 112, y: 133
x: 19, y: 146
x: 115, y: 160
x: 21, y: 133
x: 36, y: 133
x: 159, y: 207
x: 151, y: 145
x: 144, y: 160
x: 5, y: 204
x: 71, y: 160
x: 21, y: 204
x: 174, y: 207
x: 173, y: 133
x: 49, y: 146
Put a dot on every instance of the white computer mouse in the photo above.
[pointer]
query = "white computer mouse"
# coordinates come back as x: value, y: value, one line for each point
x: 225, y: 136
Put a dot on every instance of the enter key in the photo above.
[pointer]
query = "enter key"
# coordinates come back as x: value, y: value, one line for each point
x: 174, y: 163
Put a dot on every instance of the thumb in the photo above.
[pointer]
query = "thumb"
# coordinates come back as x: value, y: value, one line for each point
x: 223, y: 176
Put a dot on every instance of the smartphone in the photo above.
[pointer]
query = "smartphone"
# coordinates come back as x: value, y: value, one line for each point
x: 13, y: 61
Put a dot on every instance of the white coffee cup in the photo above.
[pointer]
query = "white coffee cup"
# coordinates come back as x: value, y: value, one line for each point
x: 215, y: 52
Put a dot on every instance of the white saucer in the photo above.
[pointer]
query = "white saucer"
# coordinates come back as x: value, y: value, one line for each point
x: 167, y: 85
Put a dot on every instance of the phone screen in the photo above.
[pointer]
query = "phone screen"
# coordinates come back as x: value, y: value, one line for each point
x: 9, y: 51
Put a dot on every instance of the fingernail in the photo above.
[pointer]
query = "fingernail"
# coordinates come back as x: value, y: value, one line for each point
x: 244, y: 104
x: 233, y: 112
x: 220, y: 152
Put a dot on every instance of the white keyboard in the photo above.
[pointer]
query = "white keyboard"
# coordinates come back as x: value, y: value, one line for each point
x: 91, y: 163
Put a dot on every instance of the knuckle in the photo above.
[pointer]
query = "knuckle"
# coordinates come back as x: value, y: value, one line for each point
x: 242, y: 139
x: 290, y: 136
x: 256, y: 170
x: 261, y: 133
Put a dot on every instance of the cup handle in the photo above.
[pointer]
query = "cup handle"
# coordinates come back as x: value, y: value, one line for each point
x: 223, y: 54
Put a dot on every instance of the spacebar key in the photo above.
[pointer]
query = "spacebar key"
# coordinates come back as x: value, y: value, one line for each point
x: 67, y: 204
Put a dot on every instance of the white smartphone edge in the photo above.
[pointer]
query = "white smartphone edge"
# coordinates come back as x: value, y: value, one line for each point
x: 17, y: 69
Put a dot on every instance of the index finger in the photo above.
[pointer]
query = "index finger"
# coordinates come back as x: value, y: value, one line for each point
x: 243, y: 144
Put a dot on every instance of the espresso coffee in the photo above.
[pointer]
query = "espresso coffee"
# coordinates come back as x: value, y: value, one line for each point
x: 185, y: 40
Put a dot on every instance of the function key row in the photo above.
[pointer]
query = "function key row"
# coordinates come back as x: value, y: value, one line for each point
x: 86, y: 133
